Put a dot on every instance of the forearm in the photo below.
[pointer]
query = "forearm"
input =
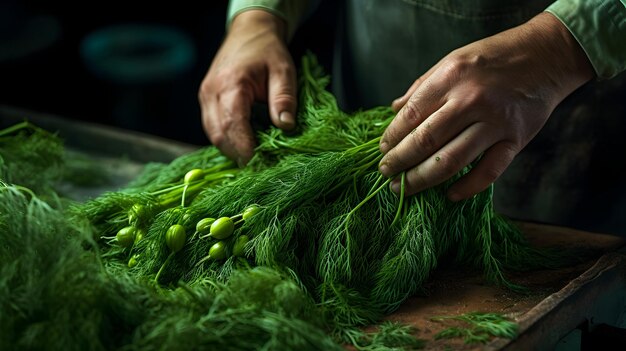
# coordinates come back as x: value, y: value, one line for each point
x: 599, y: 27
x: 566, y: 64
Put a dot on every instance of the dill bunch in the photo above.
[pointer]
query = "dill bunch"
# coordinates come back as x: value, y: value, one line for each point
x: 71, y: 298
x: 31, y: 157
x: 329, y: 219
x: 303, y: 246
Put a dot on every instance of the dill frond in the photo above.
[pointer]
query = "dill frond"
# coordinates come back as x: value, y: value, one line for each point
x: 478, y: 327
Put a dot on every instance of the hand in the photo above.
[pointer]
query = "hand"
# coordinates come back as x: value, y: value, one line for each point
x: 253, y: 64
x: 488, y: 98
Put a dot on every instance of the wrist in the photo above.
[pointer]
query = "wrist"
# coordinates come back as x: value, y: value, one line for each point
x: 256, y: 21
x: 567, y: 61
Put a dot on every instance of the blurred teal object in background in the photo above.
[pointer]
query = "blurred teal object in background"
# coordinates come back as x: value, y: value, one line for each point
x: 146, y: 67
x: 138, y: 54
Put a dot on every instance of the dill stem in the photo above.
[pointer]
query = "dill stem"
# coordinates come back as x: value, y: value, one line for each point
x: 16, y: 127
x: 367, y: 198
x: 229, y: 173
x: 173, y: 196
x: 24, y: 189
x: 219, y: 167
x: 378, y: 179
x: 368, y: 165
x: 365, y: 145
x: 165, y: 190
x: 401, y: 199
x: 182, y: 202
x: 156, y: 279
x: 285, y: 145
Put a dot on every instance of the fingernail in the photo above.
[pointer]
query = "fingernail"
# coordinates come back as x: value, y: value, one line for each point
x: 240, y: 162
x: 454, y: 196
x: 395, y: 186
x: 384, y: 147
x: 286, y: 118
x: 383, y: 168
x: 395, y: 104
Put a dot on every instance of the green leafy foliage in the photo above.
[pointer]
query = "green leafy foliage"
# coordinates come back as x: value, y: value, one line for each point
x: 328, y: 249
x: 478, y: 327
x: 31, y: 157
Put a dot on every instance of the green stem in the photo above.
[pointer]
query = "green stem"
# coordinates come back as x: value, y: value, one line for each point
x: 174, y: 189
x: 367, y: 198
x: 365, y: 145
x: 380, y: 177
x: 397, y: 217
x: 182, y: 201
x: 156, y: 279
x: 194, y: 188
x: 16, y: 127
x: 168, y: 189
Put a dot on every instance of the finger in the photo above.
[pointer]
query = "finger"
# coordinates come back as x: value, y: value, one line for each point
x: 428, y: 98
x: 282, y: 95
x: 437, y: 130
x: 210, y: 118
x: 225, y: 118
x: 449, y: 160
x: 492, y: 164
x: 398, y: 103
x: 235, y: 110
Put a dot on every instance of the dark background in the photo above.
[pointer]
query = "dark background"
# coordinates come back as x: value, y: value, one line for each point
x: 42, y: 68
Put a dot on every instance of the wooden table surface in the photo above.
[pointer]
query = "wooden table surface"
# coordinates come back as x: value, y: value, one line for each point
x: 559, y: 299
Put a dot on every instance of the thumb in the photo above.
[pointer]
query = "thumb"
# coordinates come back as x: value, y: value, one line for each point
x: 282, y: 95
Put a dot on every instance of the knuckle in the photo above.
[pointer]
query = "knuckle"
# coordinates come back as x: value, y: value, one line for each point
x: 490, y: 174
x: 217, y: 138
x: 392, y: 161
x: 423, y: 140
x: 391, y: 135
x: 475, y: 96
x: 396, y: 162
x: 205, y: 90
x: 448, y: 163
x: 454, y: 67
x: 284, y: 98
x: 283, y: 68
x: 412, y: 113
x: 416, y: 179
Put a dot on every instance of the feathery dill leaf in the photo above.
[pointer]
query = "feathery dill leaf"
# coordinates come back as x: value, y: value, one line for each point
x: 478, y: 327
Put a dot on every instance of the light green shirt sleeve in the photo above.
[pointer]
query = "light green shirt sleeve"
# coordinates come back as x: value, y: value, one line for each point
x: 292, y: 11
x: 599, y: 26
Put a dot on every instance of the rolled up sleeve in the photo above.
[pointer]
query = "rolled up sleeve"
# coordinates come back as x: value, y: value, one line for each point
x: 599, y: 26
x: 291, y: 11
